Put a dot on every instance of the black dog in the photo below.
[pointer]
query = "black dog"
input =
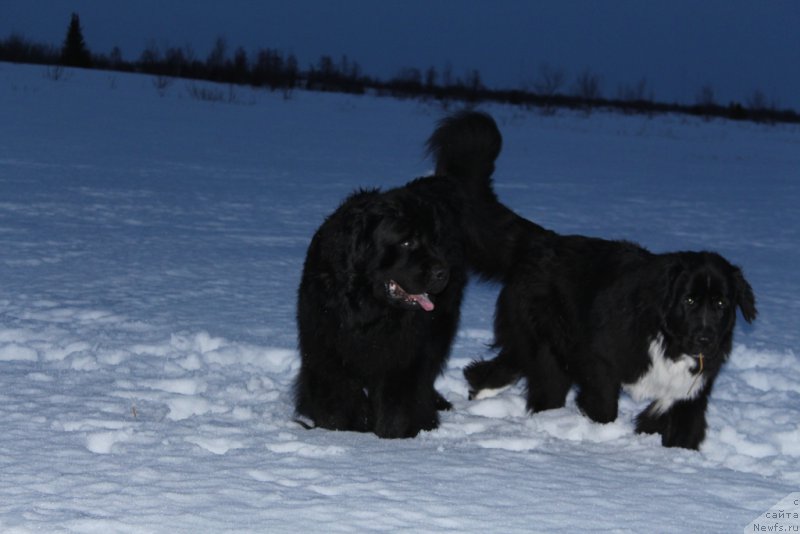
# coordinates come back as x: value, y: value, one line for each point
x: 606, y: 315
x: 378, y: 303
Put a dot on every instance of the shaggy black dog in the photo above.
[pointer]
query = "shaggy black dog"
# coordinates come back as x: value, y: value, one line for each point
x: 378, y: 303
x: 609, y: 315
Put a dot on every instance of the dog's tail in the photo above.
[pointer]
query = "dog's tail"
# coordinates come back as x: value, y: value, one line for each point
x: 465, y: 145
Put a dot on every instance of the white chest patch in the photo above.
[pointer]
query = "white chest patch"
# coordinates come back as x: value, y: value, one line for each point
x: 667, y: 380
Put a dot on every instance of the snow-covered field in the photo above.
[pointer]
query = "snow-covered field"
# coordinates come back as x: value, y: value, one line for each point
x: 150, y: 250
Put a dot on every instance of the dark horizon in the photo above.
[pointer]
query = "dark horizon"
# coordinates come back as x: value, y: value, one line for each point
x: 735, y: 47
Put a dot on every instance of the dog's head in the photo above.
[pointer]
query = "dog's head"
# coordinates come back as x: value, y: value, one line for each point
x: 703, y: 292
x: 398, y: 250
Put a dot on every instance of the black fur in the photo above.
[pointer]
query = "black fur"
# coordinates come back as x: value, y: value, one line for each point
x: 465, y: 145
x: 584, y: 311
x: 370, y: 352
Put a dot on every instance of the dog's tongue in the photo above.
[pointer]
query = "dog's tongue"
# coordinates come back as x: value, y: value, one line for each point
x: 423, y: 300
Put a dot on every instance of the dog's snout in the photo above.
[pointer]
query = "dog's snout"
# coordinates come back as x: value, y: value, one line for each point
x: 439, y: 276
x: 704, y: 338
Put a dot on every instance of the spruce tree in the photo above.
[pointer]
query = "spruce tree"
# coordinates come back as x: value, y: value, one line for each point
x: 74, y: 52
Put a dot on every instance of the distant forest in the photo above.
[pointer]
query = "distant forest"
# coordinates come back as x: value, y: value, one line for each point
x: 275, y: 70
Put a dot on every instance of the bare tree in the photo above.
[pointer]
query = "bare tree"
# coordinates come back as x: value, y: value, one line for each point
x: 162, y: 83
x: 241, y: 67
x: 635, y: 98
x: 215, y: 62
x: 760, y: 109
x: 150, y: 57
x: 547, y: 85
x: 473, y: 82
x: 757, y: 101
x: 706, y: 98
x: 410, y: 75
x: 705, y: 101
x: 175, y: 61
x: 549, y: 80
x: 637, y: 92
x: 447, y: 75
x: 587, y: 86
x: 115, y: 57
x: 430, y: 78
x: 54, y: 72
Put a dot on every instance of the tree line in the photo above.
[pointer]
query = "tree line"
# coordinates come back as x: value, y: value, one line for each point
x: 275, y: 70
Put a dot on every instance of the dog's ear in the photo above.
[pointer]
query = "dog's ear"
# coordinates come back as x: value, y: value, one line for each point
x: 667, y: 283
x: 356, y: 229
x: 745, y: 298
x: 362, y: 227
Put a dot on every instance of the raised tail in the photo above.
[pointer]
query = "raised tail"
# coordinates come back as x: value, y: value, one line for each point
x: 465, y: 145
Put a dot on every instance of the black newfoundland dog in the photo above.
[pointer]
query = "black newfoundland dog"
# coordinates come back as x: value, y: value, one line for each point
x: 382, y: 284
x: 609, y: 315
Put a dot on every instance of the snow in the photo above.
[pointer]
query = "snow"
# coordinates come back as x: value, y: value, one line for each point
x: 150, y: 250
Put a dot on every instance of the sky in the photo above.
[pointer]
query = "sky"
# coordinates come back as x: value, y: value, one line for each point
x: 736, y: 47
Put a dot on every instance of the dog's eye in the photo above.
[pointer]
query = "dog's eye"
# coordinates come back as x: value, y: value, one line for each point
x: 689, y: 300
x: 409, y: 243
x: 720, y: 304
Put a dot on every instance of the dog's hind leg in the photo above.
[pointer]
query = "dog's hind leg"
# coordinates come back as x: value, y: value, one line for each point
x: 496, y: 373
x: 548, y: 383
x: 599, y: 386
